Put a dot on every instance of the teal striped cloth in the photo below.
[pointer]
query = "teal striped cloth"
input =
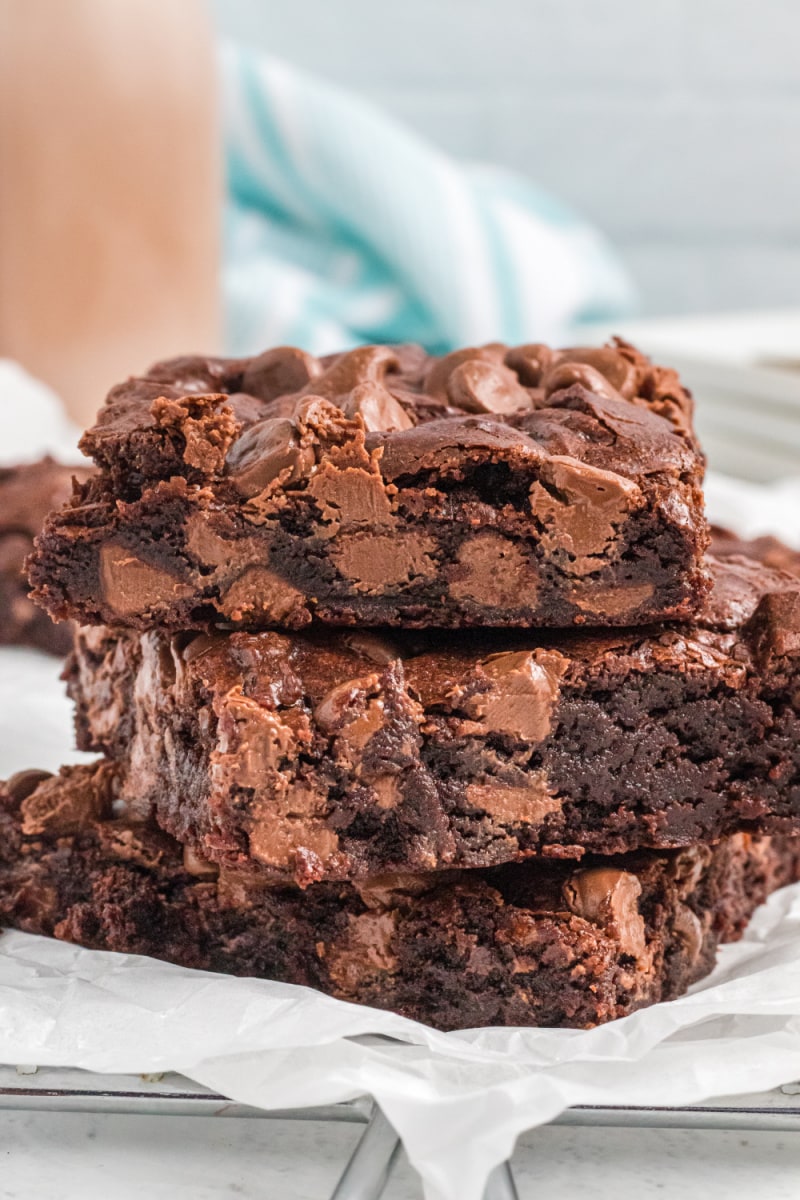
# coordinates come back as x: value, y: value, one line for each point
x: 342, y: 227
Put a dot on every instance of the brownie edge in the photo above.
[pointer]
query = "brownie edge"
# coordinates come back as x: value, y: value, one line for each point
x: 546, y: 944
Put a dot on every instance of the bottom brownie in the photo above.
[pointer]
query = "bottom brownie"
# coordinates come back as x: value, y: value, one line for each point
x: 536, y: 943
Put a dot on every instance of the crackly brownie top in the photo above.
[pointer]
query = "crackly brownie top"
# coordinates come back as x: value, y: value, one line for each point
x: 267, y: 422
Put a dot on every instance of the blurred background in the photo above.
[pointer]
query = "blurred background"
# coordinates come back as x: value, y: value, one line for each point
x: 674, y: 125
x: 226, y: 175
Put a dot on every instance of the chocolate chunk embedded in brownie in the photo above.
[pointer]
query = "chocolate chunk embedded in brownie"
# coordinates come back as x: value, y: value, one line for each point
x: 494, y: 486
x: 531, y: 944
x: 338, y: 755
x: 27, y: 494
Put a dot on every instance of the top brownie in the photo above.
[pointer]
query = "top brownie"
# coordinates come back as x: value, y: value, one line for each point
x: 493, y: 486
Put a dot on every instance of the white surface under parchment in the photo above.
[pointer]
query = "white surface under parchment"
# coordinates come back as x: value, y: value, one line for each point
x: 458, y: 1100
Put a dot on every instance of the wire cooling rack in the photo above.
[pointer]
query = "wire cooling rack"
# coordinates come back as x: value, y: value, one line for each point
x: 366, y: 1174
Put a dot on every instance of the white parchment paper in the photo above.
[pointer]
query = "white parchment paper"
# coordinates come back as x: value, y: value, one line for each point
x: 458, y: 1100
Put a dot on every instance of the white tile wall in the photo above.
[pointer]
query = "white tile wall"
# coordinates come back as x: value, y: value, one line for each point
x: 673, y: 124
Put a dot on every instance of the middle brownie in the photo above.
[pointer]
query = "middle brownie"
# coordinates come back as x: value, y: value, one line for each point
x: 338, y: 755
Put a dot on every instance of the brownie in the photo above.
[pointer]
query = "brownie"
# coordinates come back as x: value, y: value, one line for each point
x: 336, y: 755
x: 493, y: 486
x: 767, y: 549
x: 540, y: 943
x: 27, y: 495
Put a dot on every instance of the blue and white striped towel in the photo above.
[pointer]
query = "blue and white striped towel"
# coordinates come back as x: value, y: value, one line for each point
x: 343, y: 227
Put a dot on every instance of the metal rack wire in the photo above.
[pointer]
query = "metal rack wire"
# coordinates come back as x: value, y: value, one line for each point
x: 367, y: 1172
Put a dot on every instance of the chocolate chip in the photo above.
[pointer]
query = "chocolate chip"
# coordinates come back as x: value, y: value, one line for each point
x: 378, y: 409
x: 609, y: 896
x: 437, y: 378
x: 367, y: 364
x: 603, y: 371
x: 567, y: 374
x: 529, y: 362
x: 130, y: 585
x: 689, y: 931
x: 265, y: 451
x: 613, y: 366
x: 279, y: 372
x: 478, y: 386
x: 24, y: 783
x: 523, y: 693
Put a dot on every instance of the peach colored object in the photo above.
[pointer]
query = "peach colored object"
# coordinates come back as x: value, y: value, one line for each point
x: 110, y: 187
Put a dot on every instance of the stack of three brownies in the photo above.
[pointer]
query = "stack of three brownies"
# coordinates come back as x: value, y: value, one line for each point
x: 416, y: 682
